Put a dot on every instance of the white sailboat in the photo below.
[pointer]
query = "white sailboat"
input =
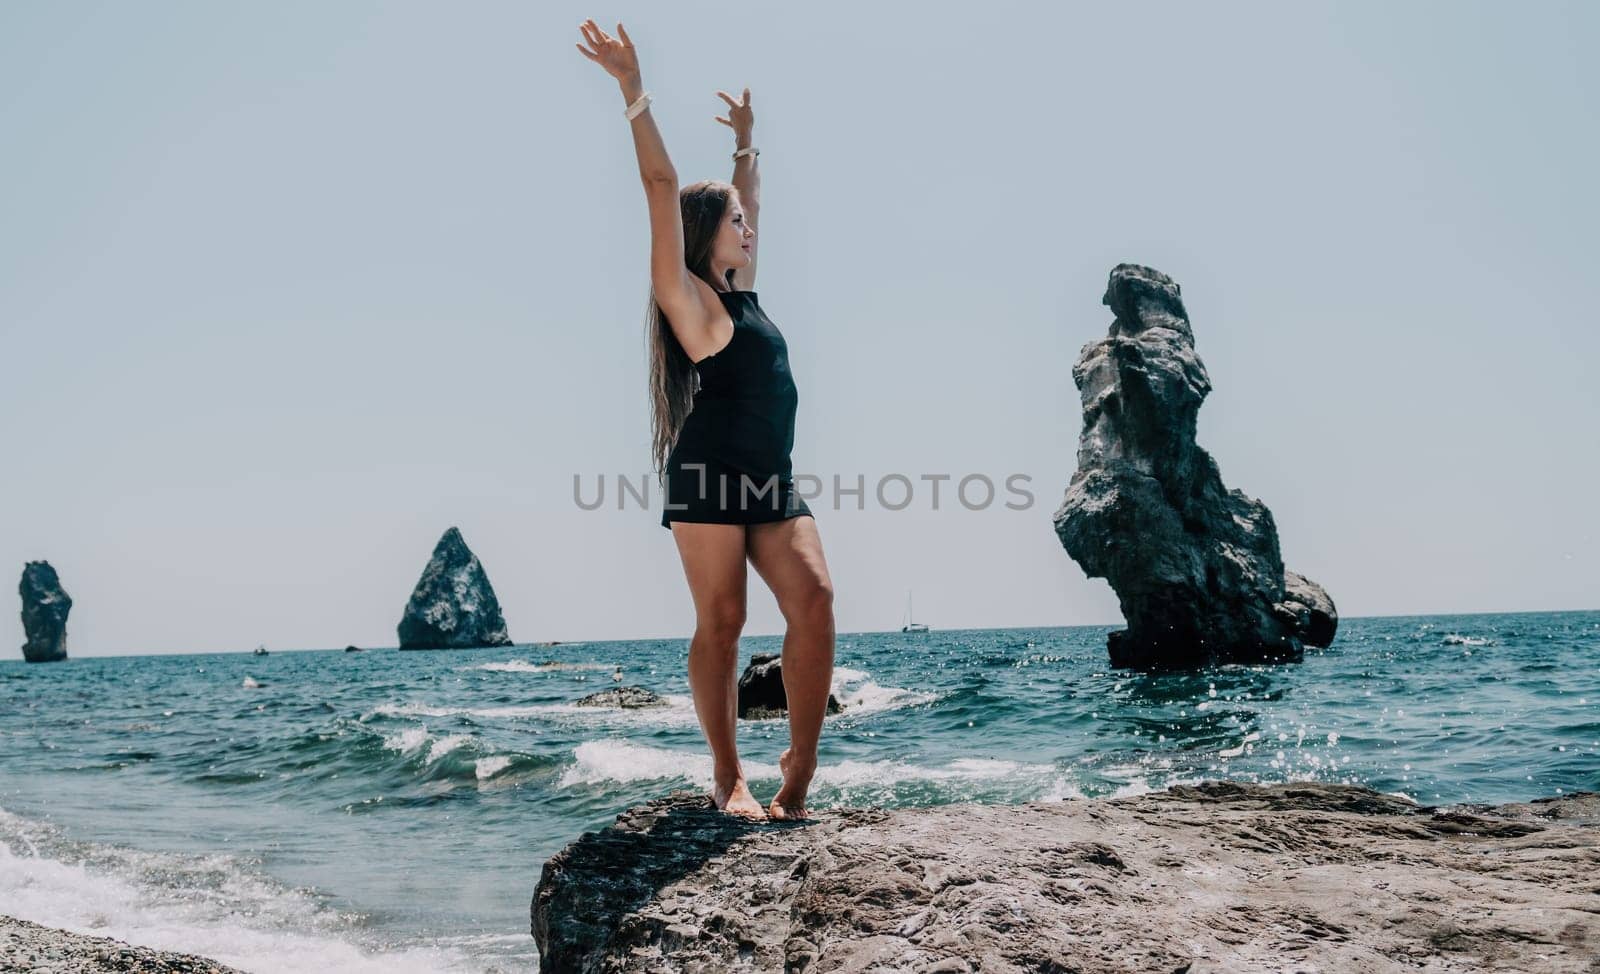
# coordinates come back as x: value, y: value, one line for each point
x: 911, y: 625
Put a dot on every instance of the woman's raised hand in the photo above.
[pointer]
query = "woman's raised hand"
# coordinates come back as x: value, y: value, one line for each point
x: 616, y: 56
x: 740, y: 118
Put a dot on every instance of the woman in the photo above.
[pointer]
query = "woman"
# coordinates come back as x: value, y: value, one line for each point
x: 723, y: 403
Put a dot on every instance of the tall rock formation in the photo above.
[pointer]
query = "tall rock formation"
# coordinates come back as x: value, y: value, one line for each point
x: 1195, y: 565
x: 453, y: 605
x: 44, y: 613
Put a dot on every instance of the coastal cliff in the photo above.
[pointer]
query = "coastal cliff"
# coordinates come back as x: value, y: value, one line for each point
x: 1213, y: 877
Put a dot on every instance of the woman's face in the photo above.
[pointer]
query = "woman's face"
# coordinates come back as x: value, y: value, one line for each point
x: 734, y: 238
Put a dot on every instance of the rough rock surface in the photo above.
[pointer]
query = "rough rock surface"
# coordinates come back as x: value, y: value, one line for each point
x: 453, y: 605
x: 1194, y: 564
x: 1311, y: 611
x: 628, y: 698
x: 27, y: 946
x: 761, y: 692
x: 1215, y: 877
x: 44, y: 613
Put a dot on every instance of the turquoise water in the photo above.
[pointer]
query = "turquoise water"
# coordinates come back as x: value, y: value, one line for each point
x: 389, y: 811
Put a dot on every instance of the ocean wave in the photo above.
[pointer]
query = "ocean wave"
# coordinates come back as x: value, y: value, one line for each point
x: 461, y: 758
x: 679, y: 711
x: 215, y: 905
x: 867, y: 697
x: 614, y: 761
x: 528, y: 666
x: 857, y: 694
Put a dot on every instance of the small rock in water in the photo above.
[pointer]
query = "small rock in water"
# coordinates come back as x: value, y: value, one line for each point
x: 628, y: 698
x: 761, y: 693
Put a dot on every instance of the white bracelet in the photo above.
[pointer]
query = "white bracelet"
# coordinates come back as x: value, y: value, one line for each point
x: 748, y: 150
x: 639, y: 105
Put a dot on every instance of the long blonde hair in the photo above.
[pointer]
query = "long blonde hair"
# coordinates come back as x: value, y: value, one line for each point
x: 673, y: 379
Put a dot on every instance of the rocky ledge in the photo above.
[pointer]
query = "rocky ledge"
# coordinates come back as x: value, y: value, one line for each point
x: 1212, y: 877
x: 27, y: 946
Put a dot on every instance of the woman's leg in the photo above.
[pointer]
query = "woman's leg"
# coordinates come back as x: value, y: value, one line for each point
x: 788, y: 556
x: 713, y: 561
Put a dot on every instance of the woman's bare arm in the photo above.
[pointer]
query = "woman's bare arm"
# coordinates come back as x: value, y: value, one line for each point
x: 676, y: 290
x: 746, y: 179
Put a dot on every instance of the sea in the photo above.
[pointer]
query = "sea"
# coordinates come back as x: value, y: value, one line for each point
x: 327, y: 811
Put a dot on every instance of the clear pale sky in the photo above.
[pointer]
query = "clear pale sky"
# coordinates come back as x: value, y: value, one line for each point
x: 288, y: 289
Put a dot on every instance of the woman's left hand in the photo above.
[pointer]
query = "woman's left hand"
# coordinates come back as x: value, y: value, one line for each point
x: 740, y: 118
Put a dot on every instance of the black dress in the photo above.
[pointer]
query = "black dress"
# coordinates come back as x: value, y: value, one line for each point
x: 730, y: 464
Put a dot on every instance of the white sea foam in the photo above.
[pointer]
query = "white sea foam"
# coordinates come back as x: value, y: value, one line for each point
x: 528, y: 666
x: 444, y: 745
x: 407, y: 740
x: 611, y: 760
x: 679, y: 711
x: 488, y: 767
x: 214, y: 905
x: 413, y: 740
x: 854, y: 689
x: 620, y: 761
x: 1233, y: 752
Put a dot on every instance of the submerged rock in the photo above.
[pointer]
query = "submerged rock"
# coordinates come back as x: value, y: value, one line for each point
x: 45, y: 605
x: 625, y: 697
x: 761, y: 692
x: 1215, y: 877
x: 1195, y: 565
x: 453, y: 606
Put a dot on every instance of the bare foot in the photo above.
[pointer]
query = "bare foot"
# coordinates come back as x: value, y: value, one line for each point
x: 735, y: 799
x: 790, y: 802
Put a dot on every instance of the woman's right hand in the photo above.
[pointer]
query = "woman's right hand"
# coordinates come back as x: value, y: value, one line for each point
x: 616, y: 56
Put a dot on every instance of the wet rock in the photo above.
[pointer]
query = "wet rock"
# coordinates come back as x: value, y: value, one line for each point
x: 761, y: 692
x: 27, y: 946
x: 625, y: 697
x: 1315, y: 619
x: 1214, y: 877
x: 1195, y: 565
x: 45, y: 605
x: 453, y: 606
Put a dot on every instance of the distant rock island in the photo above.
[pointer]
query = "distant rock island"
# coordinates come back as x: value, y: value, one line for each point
x: 1213, y: 877
x: 45, y: 605
x: 1195, y: 565
x: 453, y: 605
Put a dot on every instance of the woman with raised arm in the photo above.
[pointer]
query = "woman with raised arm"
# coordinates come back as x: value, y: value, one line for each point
x: 723, y: 409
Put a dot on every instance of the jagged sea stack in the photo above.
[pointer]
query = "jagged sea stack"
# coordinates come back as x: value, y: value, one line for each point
x: 1195, y: 565
x: 453, y: 606
x: 44, y: 613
